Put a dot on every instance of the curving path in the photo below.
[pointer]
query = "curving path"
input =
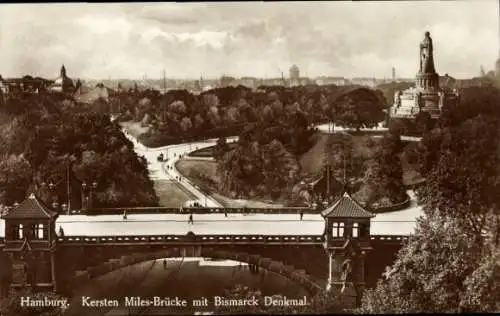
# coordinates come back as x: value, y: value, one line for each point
x: 167, y: 171
x: 172, y: 154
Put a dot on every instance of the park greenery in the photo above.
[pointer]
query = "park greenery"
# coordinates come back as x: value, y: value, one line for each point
x: 451, y: 263
x: 46, y: 137
x: 179, y: 115
x: 275, y: 126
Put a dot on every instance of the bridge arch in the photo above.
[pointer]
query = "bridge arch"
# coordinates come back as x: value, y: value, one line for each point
x: 298, y: 276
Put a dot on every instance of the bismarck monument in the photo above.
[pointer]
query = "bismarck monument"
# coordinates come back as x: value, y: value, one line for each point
x: 426, y: 96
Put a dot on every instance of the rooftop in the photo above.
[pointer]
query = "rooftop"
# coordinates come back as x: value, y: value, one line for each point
x: 346, y: 206
x: 31, y: 208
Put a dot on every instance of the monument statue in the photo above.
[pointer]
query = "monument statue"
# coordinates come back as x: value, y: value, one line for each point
x: 426, y: 55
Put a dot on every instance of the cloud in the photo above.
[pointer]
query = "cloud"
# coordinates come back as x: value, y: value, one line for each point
x: 240, y: 39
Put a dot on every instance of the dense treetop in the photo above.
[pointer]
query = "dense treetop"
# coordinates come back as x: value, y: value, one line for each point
x: 451, y: 264
x: 44, y: 135
x: 179, y: 115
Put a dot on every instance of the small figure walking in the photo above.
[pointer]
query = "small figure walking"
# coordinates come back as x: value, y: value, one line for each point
x: 124, y: 215
x: 225, y: 213
x: 61, y: 231
x: 164, y: 264
x: 190, y: 219
x: 301, y: 214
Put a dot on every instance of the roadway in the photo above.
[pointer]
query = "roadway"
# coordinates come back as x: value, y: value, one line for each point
x: 167, y: 171
x: 173, y: 153
x: 332, y: 128
x: 392, y: 223
x: 329, y: 129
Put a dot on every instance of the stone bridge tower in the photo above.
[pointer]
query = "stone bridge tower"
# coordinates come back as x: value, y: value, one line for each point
x: 347, y: 242
x: 30, y: 242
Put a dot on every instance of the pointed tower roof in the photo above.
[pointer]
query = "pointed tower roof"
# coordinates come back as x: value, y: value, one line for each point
x: 31, y: 208
x: 346, y: 206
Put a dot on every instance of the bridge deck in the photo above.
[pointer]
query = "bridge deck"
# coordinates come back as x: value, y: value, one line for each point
x: 394, y: 223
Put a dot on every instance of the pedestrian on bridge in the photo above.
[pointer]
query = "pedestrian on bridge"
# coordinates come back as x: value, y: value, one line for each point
x: 190, y: 219
x: 124, y: 215
x: 61, y: 231
x: 164, y: 264
x: 301, y: 214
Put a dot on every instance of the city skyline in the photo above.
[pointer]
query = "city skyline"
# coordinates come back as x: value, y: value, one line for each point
x: 246, y: 39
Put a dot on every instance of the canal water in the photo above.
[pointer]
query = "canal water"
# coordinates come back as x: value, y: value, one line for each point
x: 186, y: 279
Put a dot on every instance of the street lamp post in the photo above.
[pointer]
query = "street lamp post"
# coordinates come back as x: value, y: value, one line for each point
x: 90, y: 188
x: 53, y: 200
x: 93, y: 187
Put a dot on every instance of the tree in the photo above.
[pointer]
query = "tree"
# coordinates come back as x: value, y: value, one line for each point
x: 251, y: 168
x: 220, y: 149
x: 463, y: 178
x: 15, y: 177
x: 384, y: 175
x: 360, y: 108
x: 186, y: 124
x: 482, y: 287
x: 428, y: 274
x: 451, y: 263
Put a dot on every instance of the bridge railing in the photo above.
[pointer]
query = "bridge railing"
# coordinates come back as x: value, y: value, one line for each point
x: 389, y: 238
x: 209, y: 239
x: 198, y: 210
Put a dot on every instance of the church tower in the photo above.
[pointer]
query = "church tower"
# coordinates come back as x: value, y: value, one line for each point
x: 63, y: 72
x: 427, y: 78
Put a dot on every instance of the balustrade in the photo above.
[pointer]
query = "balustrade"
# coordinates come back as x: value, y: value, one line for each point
x: 233, y: 239
x: 200, y: 210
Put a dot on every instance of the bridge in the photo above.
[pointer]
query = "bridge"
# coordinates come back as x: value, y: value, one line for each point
x: 62, y: 252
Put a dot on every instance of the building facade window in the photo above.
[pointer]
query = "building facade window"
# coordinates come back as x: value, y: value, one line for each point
x: 338, y: 229
x: 355, y: 230
x: 40, y: 231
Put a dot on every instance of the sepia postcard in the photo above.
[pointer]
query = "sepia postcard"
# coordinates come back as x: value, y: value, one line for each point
x: 221, y: 158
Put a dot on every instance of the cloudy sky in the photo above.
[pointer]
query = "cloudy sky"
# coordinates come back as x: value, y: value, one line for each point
x: 246, y: 39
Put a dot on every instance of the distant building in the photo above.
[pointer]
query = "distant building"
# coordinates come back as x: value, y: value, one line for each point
x: 338, y: 81
x: 26, y: 84
x: 364, y: 81
x: 426, y: 96
x: 4, y: 88
x: 250, y: 82
x: 226, y: 81
x: 294, y: 76
x: 90, y: 95
x: 63, y: 83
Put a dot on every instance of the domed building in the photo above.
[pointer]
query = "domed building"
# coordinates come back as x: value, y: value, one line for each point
x: 427, y: 96
x: 63, y: 84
